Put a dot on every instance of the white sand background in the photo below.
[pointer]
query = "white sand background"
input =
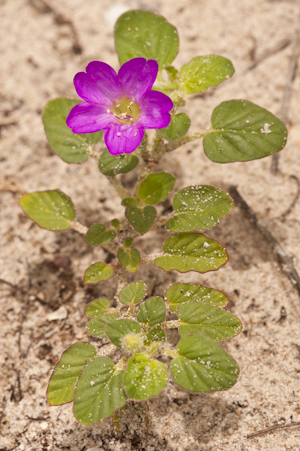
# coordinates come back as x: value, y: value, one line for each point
x: 38, y: 64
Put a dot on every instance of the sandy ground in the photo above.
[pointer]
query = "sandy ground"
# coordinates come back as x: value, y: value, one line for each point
x: 41, y: 49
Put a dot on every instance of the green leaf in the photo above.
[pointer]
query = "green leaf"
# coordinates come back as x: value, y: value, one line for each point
x: 204, y: 366
x: 155, y: 334
x: 97, y: 325
x: 141, y: 219
x: 178, y: 127
x: 139, y: 33
x: 152, y: 312
x: 70, y: 147
x: 192, y: 252
x: 63, y: 380
x: 184, y: 292
x: 130, y: 259
x: 205, y: 71
x: 52, y: 210
x: 117, y: 329
x: 99, y: 391
x: 199, y: 207
x: 97, y: 308
x: 243, y: 131
x: 133, y: 293
x: 156, y: 187
x: 97, y: 272
x: 128, y: 201
x: 98, y: 234
x: 144, y: 377
x: 210, y: 322
x: 112, y: 165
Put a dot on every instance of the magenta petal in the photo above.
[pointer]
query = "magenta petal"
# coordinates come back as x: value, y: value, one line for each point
x: 89, y: 118
x: 137, y: 77
x: 99, y: 85
x: 123, y: 138
x: 154, y: 110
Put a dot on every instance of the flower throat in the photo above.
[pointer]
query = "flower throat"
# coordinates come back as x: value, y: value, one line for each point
x: 125, y: 110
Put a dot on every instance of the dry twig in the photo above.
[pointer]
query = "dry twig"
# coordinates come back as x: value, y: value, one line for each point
x: 285, y: 260
x: 287, y: 93
x: 272, y: 428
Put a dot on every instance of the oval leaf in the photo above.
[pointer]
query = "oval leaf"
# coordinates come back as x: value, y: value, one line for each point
x: 200, y: 207
x: 69, y: 146
x: 52, y: 210
x: 210, y: 322
x: 96, y: 326
x: 139, y: 33
x: 141, y: 219
x: 184, y: 292
x: 97, y: 272
x: 192, y: 252
x: 99, y: 391
x: 117, y: 329
x: 63, y: 380
x: 205, y: 71
x: 152, y: 312
x: 97, y: 308
x: 98, y: 234
x: 243, y: 132
x: 155, y: 334
x: 179, y: 125
x: 144, y: 377
x: 204, y: 366
x: 130, y: 259
x: 112, y: 165
x: 156, y: 187
x: 133, y: 293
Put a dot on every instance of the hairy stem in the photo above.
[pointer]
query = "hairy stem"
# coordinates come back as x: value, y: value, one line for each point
x: 186, y: 139
x: 172, y: 324
x: 116, y: 183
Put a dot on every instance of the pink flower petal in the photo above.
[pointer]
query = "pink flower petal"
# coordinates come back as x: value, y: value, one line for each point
x: 99, y: 85
x: 137, y: 77
x: 154, y: 110
x: 89, y: 118
x: 123, y: 138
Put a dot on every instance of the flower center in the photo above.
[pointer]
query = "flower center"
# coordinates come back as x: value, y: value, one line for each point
x: 125, y: 110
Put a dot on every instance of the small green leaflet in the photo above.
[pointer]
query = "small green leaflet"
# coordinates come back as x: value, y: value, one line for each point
x: 128, y: 201
x: 243, y: 131
x: 116, y: 164
x: 210, y: 322
x: 52, y: 210
x: 199, y: 207
x: 63, y: 380
x: 152, y: 311
x: 133, y: 293
x: 97, y: 272
x: 192, y: 252
x: 156, y: 187
x: 179, y: 293
x: 178, y: 127
x: 155, y: 334
x: 141, y: 219
x: 97, y: 325
x: 70, y: 147
x: 98, y: 234
x: 99, y: 391
x: 130, y: 259
x: 144, y: 378
x: 117, y: 329
x: 97, y: 307
x: 203, y: 366
x: 139, y: 33
x: 205, y: 71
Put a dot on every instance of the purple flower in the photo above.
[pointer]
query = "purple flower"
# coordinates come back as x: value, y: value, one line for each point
x: 122, y: 105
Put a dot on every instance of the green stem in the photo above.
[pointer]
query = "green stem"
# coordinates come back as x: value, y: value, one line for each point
x: 186, y: 139
x: 116, y: 183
